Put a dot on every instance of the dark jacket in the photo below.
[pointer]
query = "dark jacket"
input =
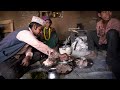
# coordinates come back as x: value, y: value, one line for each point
x: 10, y: 45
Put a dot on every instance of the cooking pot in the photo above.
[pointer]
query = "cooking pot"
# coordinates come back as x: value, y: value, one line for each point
x: 52, y: 74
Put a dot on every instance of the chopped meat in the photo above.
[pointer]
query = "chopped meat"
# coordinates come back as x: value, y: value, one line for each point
x: 63, y: 68
x: 64, y: 57
x: 81, y: 63
x: 48, y: 62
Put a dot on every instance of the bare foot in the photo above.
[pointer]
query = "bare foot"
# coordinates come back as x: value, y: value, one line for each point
x: 92, y: 55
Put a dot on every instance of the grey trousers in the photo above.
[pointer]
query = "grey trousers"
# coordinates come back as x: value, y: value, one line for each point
x: 11, y: 68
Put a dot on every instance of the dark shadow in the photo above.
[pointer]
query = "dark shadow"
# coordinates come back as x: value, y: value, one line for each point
x: 2, y: 28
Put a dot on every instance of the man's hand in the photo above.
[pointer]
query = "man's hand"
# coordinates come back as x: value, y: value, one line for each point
x: 53, y: 54
x: 25, y: 61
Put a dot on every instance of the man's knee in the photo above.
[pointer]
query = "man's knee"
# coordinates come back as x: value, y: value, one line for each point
x: 112, y: 33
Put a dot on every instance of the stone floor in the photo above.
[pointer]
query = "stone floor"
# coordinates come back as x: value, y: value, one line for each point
x: 99, y: 70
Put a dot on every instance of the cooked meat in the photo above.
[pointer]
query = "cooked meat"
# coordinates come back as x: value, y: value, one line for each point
x: 48, y: 62
x: 64, y: 57
x: 63, y: 68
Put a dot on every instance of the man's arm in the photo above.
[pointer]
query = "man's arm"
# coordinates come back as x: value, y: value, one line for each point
x: 27, y: 37
x: 28, y: 57
x: 29, y: 52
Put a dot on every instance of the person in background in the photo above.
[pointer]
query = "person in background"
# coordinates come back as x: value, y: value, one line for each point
x: 49, y: 35
x: 16, y: 49
x: 106, y: 37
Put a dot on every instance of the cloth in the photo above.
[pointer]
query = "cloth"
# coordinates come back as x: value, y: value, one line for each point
x: 38, y: 20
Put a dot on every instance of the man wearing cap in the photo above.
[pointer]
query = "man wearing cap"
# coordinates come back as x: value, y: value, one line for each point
x: 16, y: 49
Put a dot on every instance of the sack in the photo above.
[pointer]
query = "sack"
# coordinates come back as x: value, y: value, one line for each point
x: 79, y: 47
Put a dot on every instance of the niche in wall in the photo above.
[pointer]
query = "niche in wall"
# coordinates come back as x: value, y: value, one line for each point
x: 6, y: 26
x: 52, y: 14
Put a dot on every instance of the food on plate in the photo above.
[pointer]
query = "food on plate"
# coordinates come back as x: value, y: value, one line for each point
x: 63, y: 68
x: 86, y: 63
x: 64, y: 57
x: 48, y: 62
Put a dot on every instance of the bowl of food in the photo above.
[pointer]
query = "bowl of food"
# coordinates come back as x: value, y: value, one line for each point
x: 64, y: 68
x: 83, y: 63
x: 49, y: 63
